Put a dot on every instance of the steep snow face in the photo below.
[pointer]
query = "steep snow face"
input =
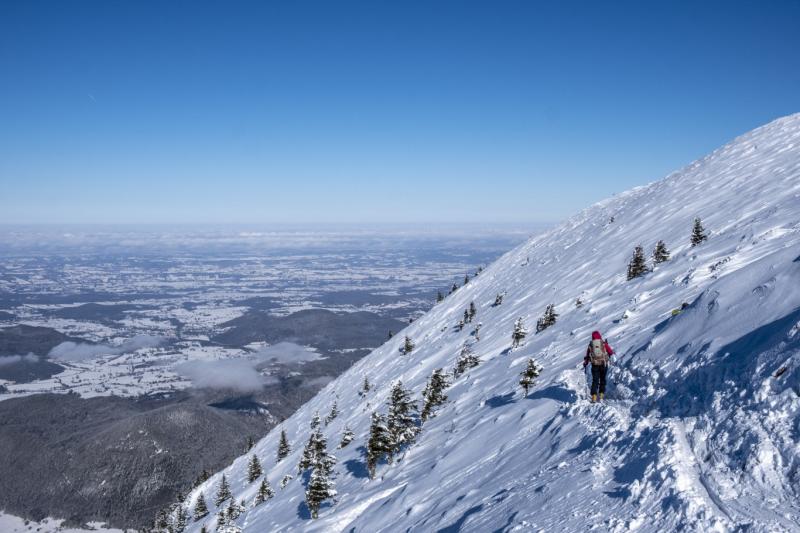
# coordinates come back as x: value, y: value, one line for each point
x: 697, y: 432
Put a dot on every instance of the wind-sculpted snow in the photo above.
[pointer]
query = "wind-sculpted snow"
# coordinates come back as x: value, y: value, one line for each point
x: 700, y: 429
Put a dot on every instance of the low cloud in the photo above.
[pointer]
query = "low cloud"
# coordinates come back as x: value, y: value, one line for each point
x: 236, y: 374
x: 80, y: 351
x: 285, y: 353
x: 11, y: 359
x: 318, y: 382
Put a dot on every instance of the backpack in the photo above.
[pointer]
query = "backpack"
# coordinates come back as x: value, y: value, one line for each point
x: 598, y: 353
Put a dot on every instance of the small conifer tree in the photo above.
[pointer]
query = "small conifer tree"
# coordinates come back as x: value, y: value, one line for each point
x: 454, y: 288
x: 439, y: 296
x: 320, y: 488
x: 466, y: 279
x: 333, y: 414
x: 285, y: 481
x: 283, y: 446
x: 698, y: 232
x: 638, y: 266
x: 548, y: 319
x: 249, y: 443
x: 472, y: 311
x: 224, y: 491
x: 400, y: 420
x: 660, y: 253
x: 433, y: 395
x: 179, y: 520
x: 519, y: 333
x: 408, y: 345
x: 466, y: 360
x: 390, y: 335
x: 265, y: 492
x: 365, y: 386
x: 498, y: 300
x: 460, y: 325
x: 529, y: 375
x: 379, y: 444
x: 578, y: 303
x: 254, y: 470
x: 466, y: 316
x: 347, y: 437
x: 315, y: 421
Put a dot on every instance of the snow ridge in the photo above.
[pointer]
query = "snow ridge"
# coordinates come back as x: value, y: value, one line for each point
x: 701, y: 426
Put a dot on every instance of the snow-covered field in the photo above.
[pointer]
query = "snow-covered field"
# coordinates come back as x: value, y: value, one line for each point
x: 15, y: 524
x: 701, y: 428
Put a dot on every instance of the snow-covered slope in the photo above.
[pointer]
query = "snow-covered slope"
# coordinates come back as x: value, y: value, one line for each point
x: 697, y: 432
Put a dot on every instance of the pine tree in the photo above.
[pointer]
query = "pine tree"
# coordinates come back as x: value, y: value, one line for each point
x: 320, y: 488
x: 466, y: 279
x: 548, y: 319
x: 477, y: 331
x: 179, y: 520
x: 578, y: 303
x: 200, y: 508
x: 637, y: 267
x: 379, y: 444
x: 460, y: 325
x: 698, y: 232
x: 224, y: 491
x: 465, y: 320
x: 222, y: 519
x: 203, y: 529
x: 466, y: 360
x: 439, y: 296
x: 390, y: 335
x: 234, y: 510
x: 254, y: 470
x: 519, y: 333
x: 400, y: 419
x: 472, y: 311
x: 161, y: 522
x: 347, y: 437
x: 408, y: 345
x: 498, y: 300
x: 285, y: 481
x: 433, y: 395
x: 365, y: 386
x: 265, y: 492
x: 333, y: 414
x: 529, y: 375
x: 283, y: 446
x: 454, y: 288
x: 249, y: 443
x: 660, y: 253
x: 307, y: 459
x: 315, y: 422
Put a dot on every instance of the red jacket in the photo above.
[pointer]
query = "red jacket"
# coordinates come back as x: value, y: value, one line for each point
x: 588, y: 357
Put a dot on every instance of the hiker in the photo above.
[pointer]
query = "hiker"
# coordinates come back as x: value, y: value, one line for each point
x: 598, y: 353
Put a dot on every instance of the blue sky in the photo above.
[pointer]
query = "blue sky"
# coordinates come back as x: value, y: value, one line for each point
x: 370, y: 112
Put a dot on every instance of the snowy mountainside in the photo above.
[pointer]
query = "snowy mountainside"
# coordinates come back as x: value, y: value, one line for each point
x: 697, y: 433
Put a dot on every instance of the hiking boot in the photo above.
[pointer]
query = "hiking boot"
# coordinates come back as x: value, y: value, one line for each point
x: 594, y: 398
x: 602, y: 396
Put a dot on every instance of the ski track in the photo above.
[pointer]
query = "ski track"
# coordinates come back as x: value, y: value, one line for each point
x: 696, y: 434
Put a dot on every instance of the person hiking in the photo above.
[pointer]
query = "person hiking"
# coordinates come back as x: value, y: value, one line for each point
x: 598, y: 354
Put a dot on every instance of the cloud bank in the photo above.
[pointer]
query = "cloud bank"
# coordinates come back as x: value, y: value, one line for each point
x: 80, y: 351
x: 286, y: 353
x: 11, y: 359
x: 236, y: 374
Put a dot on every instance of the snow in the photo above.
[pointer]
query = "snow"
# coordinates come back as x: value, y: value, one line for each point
x: 697, y: 434
x: 14, y: 524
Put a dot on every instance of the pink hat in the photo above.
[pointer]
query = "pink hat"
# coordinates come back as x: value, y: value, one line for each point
x: 596, y: 335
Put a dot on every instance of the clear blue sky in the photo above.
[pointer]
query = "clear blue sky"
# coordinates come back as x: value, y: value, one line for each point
x: 375, y: 111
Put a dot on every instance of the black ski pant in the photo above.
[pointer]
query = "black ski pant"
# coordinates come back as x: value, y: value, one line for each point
x: 599, y: 378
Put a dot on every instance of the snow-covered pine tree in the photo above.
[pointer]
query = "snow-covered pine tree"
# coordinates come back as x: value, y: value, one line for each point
x: 234, y: 510
x: 203, y: 529
x: 698, y: 232
x: 265, y: 492
x: 466, y: 360
x: 519, y: 333
x: 466, y: 279
x: 638, y: 266
x: 439, y: 296
x: 320, y: 488
x: 285, y: 481
x: 379, y: 444
x: 454, y: 288
x: 333, y: 414
x: 180, y: 519
x: 315, y: 422
x: 224, y: 491
x: 578, y: 303
x: 408, y: 345
x: 472, y: 311
x: 347, y: 437
x: 498, y: 300
x: 200, y: 508
x: 161, y: 523
x: 529, y: 375
x: 365, y: 386
x: 307, y: 459
x: 390, y: 335
x: 466, y: 316
x: 400, y: 420
x: 283, y: 446
x: 477, y: 331
x: 249, y: 443
x: 548, y: 319
x: 460, y: 325
x: 660, y: 253
x: 222, y: 519
x: 433, y: 395
x: 254, y: 470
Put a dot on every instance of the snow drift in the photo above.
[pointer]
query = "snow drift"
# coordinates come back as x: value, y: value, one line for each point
x: 701, y: 427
